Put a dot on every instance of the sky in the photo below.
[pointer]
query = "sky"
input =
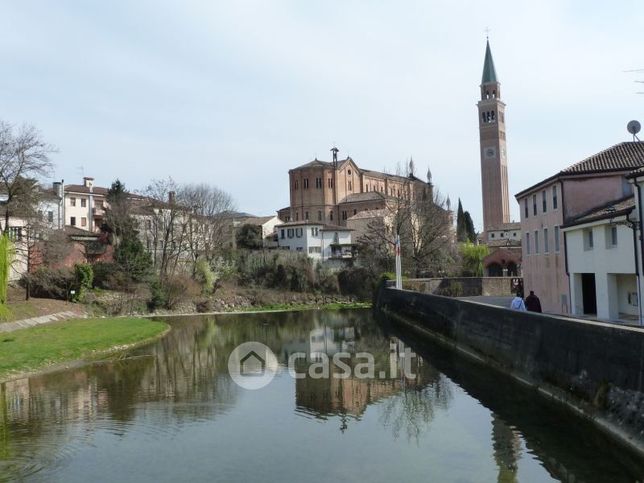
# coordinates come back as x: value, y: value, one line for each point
x: 235, y: 93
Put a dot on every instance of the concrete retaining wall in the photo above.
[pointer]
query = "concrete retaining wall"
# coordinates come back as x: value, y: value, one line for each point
x: 593, y: 367
x: 462, y: 286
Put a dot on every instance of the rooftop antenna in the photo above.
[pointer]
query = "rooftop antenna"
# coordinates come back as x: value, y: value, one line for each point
x: 634, y: 127
x: 487, y: 33
x: 81, y: 170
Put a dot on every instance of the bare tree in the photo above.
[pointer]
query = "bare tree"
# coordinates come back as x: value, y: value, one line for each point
x: 208, y: 209
x: 24, y: 155
x: 165, y: 226
x: 420, y: 217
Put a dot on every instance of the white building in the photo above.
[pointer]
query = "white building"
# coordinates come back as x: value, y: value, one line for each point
x: 85, y: 205
x: 601, y: 254
x: 319, y: 241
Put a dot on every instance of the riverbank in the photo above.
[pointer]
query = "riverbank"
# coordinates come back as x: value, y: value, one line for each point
x: 27, y: 351
x: 592, y: 368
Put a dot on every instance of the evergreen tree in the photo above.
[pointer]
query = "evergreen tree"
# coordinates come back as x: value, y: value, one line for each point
x: 461, y: 234
x: 470, y: 232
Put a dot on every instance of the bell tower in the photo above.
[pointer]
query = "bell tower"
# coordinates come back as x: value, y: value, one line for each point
x: 494, y: 161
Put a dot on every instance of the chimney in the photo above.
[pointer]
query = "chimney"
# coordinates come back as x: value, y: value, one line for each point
x: 58, y: 188
x: 88, y: 182
x: 171, y: 197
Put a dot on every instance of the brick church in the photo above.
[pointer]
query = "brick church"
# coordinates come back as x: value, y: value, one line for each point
x: 331, y: 192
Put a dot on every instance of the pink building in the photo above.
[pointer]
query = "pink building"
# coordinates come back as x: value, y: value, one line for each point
x: 553, y: 202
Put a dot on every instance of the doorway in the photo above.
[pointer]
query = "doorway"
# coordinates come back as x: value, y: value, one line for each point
x: 589, y: 293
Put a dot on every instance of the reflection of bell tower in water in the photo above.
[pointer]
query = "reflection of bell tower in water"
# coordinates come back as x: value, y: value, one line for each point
x: 494, y: 162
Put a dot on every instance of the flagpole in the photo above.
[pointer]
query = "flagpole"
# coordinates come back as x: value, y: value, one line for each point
x: 398, y: 264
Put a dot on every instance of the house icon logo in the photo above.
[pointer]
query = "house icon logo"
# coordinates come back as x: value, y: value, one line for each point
x: 252, y: 365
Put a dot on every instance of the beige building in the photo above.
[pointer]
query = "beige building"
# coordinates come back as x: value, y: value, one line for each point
x: 556, y: 201
x: 332, y: 192
x: 84, y: 205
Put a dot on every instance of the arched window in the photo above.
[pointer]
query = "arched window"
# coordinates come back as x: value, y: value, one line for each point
x: 492, y: 116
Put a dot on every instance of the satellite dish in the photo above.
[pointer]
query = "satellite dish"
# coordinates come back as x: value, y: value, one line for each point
x: 633, y: 127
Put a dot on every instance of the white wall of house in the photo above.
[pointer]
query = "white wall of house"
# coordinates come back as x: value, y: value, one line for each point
x: 590, y: 249
x: 315, y: 240
x: 268, y: 227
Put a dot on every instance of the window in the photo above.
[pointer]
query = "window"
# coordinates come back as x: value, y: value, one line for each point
x: 589, y: 242
x: 329, y: 182
x: 15, y: 233
x: 556, y: 239
x: 314, y: 231
x: 491, y: 235
x: 305, y: 183
x: 502, y: 234
x: 355, y: 212
x: 83, y: 221
x: 534, y: 205
x: 315, y: 250
x: 544, y: 205
x: 50, y: 216
x: 525, y: 208
x: 611, y: 236
x: 555, y: 201
x: 297, y: 216
x: 318, y: 183
x: 282, y: 234
x: 99, y: 203
x: 350, y: 188
x: 319, y: 216
x: 349, y: 172
x: 290, y: 233
x: 344, y: 215
x: 296, y: 185
x: 546, y: 244
x: 72, y: 202
x: 72, y: 221
x: 536, y: 241
x: 527, y: 243
x: 331, y: 215
x: 306, y: 215
x: 299, y: 232
x: 83, y: 203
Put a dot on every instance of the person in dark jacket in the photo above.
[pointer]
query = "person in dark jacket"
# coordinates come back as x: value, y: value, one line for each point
x: 532, y: 302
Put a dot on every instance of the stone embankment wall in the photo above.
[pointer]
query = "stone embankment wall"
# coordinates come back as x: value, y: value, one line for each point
x: 462, y: 286
x: 595, y: 368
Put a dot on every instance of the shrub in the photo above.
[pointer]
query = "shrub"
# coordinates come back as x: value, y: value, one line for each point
x: 158, y: 298
x: 179, y: 288
x: 358, y: 282
x: 172, y: 291
x: 84, y: 278
x: 50, y: 283
x: 103, y: 274
x: 205, y: 277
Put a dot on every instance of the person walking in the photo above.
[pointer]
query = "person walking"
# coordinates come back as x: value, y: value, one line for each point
x: 532, y: 302
x: 517, y: 303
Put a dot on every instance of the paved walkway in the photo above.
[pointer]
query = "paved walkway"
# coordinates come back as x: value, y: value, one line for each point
x: 492, y: 300
x: 43, y: 319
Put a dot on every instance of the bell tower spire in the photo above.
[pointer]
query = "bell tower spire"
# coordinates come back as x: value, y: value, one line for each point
x: 494, y: 163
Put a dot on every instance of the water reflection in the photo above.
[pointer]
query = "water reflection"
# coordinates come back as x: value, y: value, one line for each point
x: 166, y: 392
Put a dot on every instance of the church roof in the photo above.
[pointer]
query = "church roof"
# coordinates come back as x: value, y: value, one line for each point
x: 489, y: 73
x: 364, y: 196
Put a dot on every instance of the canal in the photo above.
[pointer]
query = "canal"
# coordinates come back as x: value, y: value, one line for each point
x: 171, y: 412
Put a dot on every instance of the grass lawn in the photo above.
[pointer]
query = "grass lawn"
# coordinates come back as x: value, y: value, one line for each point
x: 35, y: 348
